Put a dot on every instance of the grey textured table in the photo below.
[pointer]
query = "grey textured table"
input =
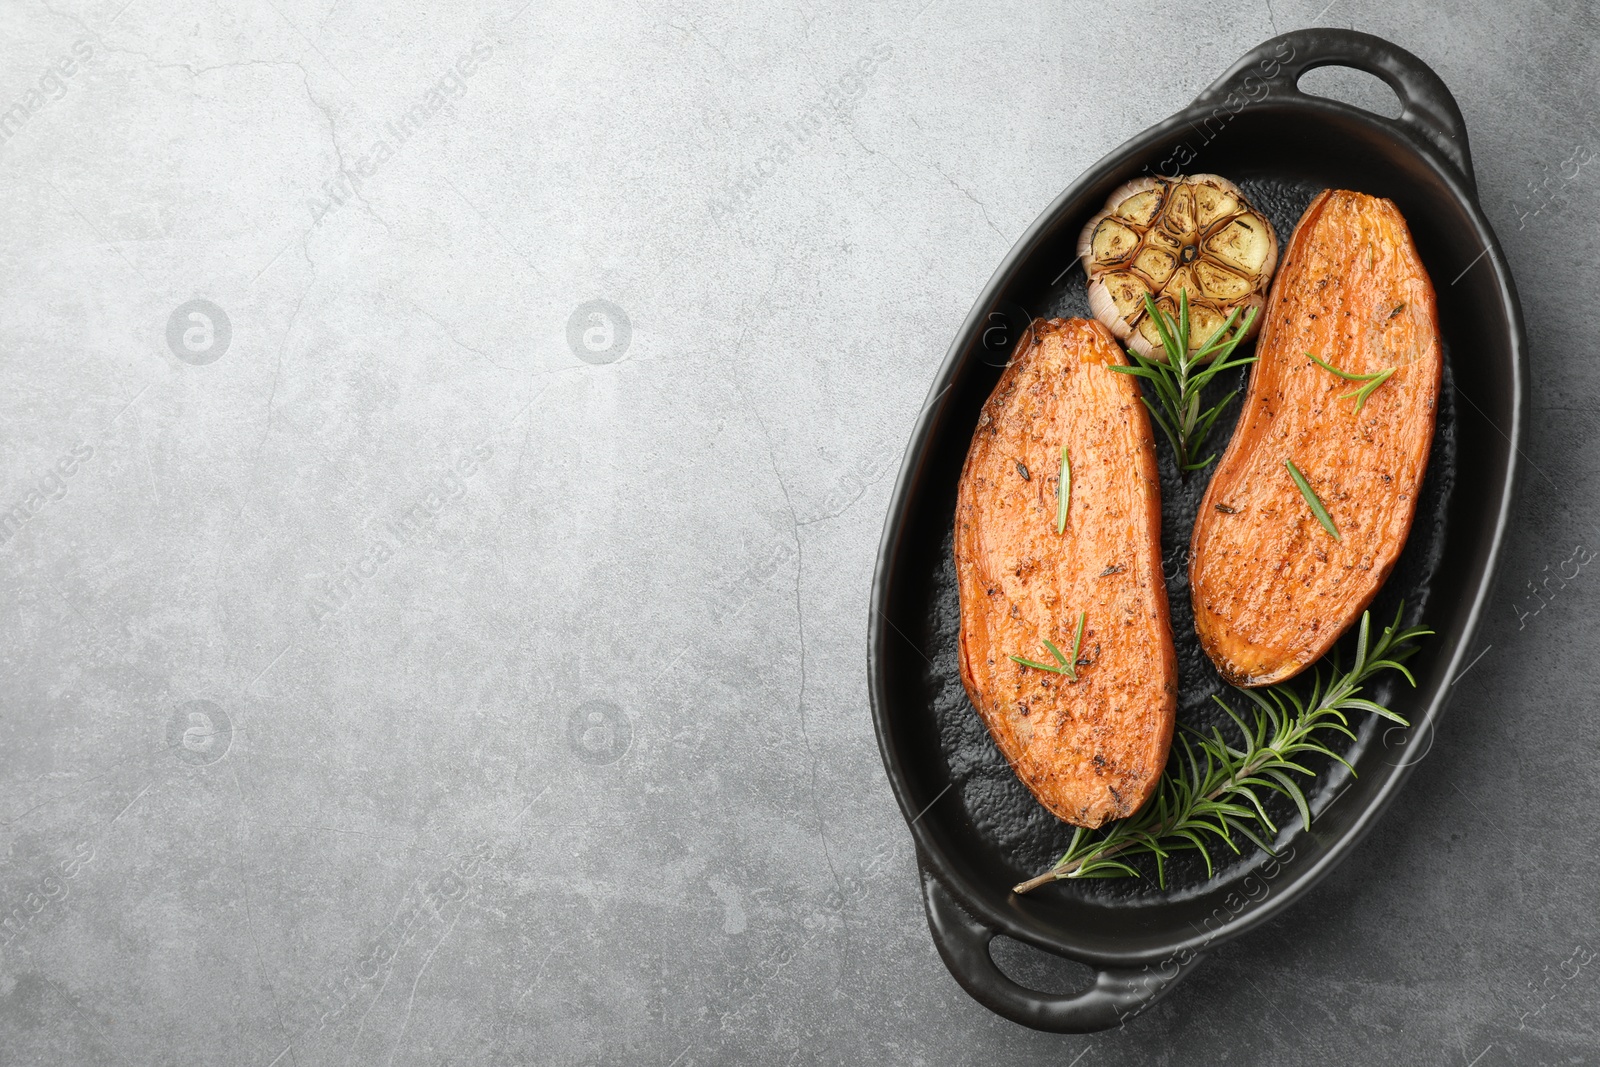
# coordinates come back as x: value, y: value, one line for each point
x: 446, y: 452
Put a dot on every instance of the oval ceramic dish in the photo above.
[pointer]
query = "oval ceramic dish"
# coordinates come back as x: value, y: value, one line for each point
x: 977, y: 830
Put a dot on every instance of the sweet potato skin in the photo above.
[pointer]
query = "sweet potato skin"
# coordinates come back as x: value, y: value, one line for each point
x: 1093, y: 749
x: 1272, y: 590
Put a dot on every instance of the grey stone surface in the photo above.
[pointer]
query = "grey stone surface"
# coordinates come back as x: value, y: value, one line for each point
x: 411, y: 661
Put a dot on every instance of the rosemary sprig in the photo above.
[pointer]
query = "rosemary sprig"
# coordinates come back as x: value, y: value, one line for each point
x: 1063, y: 491
x: 1213, y: 789
x: 1313, y: 501
x: 1373, y: 380
x: 1179, y: 378
x: 1068, y: 667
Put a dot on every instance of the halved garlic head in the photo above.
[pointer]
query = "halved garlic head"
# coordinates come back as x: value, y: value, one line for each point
x: 1194, y: 234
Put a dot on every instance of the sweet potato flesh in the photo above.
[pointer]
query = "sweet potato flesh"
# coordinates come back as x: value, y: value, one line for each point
x: 1092, y: 748
x: 1272, y: 589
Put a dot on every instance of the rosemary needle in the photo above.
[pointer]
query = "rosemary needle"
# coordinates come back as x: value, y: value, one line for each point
x: 1373, y: 380
x: 1063, y: 492
x: 1063, y: 665
x: 1366, y: 390
x: 1311, y: 500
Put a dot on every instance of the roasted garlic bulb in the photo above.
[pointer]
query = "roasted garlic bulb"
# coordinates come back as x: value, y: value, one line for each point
x: 1197, y: 234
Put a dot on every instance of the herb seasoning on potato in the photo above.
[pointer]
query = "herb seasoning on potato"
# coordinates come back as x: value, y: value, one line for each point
x: 1311, y: 503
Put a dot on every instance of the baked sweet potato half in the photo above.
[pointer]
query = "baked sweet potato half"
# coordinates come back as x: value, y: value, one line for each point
x: 1273, y: 583
x: 1089, y: 735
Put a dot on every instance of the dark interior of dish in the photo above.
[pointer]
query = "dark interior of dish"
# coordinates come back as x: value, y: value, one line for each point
x: 987, y: 831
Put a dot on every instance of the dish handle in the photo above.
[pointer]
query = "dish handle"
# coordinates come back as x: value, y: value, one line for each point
x: 1273, y: 68
x: 1117, y: 995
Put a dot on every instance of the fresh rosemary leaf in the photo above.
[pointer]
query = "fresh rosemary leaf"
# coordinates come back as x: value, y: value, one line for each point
x: 1063, y: 491
x: 1373, y: 380
x: 1366, y: 390
x: 1178, y: 379
x: 1311, y: 500
x: 1063, y: 665
x: 1346, y: 375
x: 1213, y: 790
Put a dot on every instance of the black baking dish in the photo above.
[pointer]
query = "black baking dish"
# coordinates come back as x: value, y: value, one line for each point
x: 977, y: 831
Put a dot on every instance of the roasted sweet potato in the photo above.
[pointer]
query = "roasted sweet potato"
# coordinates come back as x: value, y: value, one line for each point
x: 1272, y: 587
x: 1090, y: 743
